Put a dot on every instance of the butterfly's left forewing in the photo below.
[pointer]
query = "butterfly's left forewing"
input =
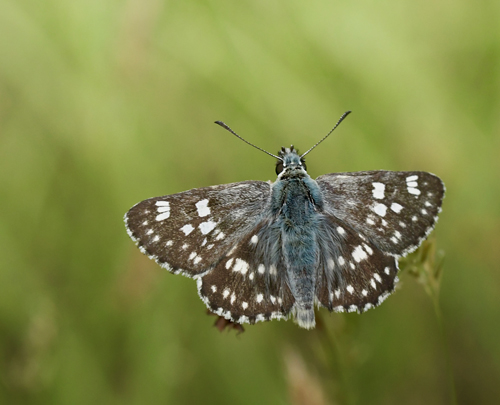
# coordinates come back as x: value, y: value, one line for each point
x: 189, y: 232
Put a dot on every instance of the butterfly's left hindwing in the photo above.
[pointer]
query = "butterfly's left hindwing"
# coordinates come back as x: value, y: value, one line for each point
x: 249, y: 284
x: 189, y: 232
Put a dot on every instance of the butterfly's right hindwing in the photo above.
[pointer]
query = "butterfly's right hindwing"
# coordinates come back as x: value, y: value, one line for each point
x: 190, y: 231
x: 353, y: 274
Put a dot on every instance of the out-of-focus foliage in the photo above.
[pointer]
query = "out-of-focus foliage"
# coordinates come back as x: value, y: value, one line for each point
x: 104, y: 103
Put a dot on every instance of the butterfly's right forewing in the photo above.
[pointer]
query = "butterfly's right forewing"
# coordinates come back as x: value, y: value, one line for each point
x: 394, y: 210
x: 189, y: 232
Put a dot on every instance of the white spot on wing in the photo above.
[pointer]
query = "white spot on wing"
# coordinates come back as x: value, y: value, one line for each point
x: 411, y: 178
x: 206, y: 227
x: 229, y: 263
x: 340, y: 230
x: 396, y: 207
x: 377, y: 277
x: 260, y: 297
x: 261, y: 269
x: 380, y: 209
x: 414, y: 191
x: 378, y: 190
x: 341, y: 260
x: 214, y: 288
x: 241, y: 266
x: 187, y: 229
x: 163, y: 209
x: 350, y: 289
x: 254, y: 239
x: 368, y: 249
x: 244, y: 305
x: 225, y: 294
x: 359, y: 254
x: 163, y: 216
x: 202, y: 207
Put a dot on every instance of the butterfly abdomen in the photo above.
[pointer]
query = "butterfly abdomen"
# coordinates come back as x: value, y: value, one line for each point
x: 299, y: 222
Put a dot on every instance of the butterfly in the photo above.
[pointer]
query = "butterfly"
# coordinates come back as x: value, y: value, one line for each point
x: 261, y: 251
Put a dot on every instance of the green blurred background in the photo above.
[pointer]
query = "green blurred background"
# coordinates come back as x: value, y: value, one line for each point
x: 104, y: 103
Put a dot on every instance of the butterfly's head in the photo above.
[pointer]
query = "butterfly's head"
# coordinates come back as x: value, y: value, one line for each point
x: 290, y: 162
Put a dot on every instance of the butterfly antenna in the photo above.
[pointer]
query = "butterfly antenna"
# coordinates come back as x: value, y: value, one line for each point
x: 244, y: 140
x: 336, y: 125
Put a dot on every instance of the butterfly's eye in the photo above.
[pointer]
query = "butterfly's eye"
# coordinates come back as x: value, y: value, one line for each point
x: 279, y: 167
